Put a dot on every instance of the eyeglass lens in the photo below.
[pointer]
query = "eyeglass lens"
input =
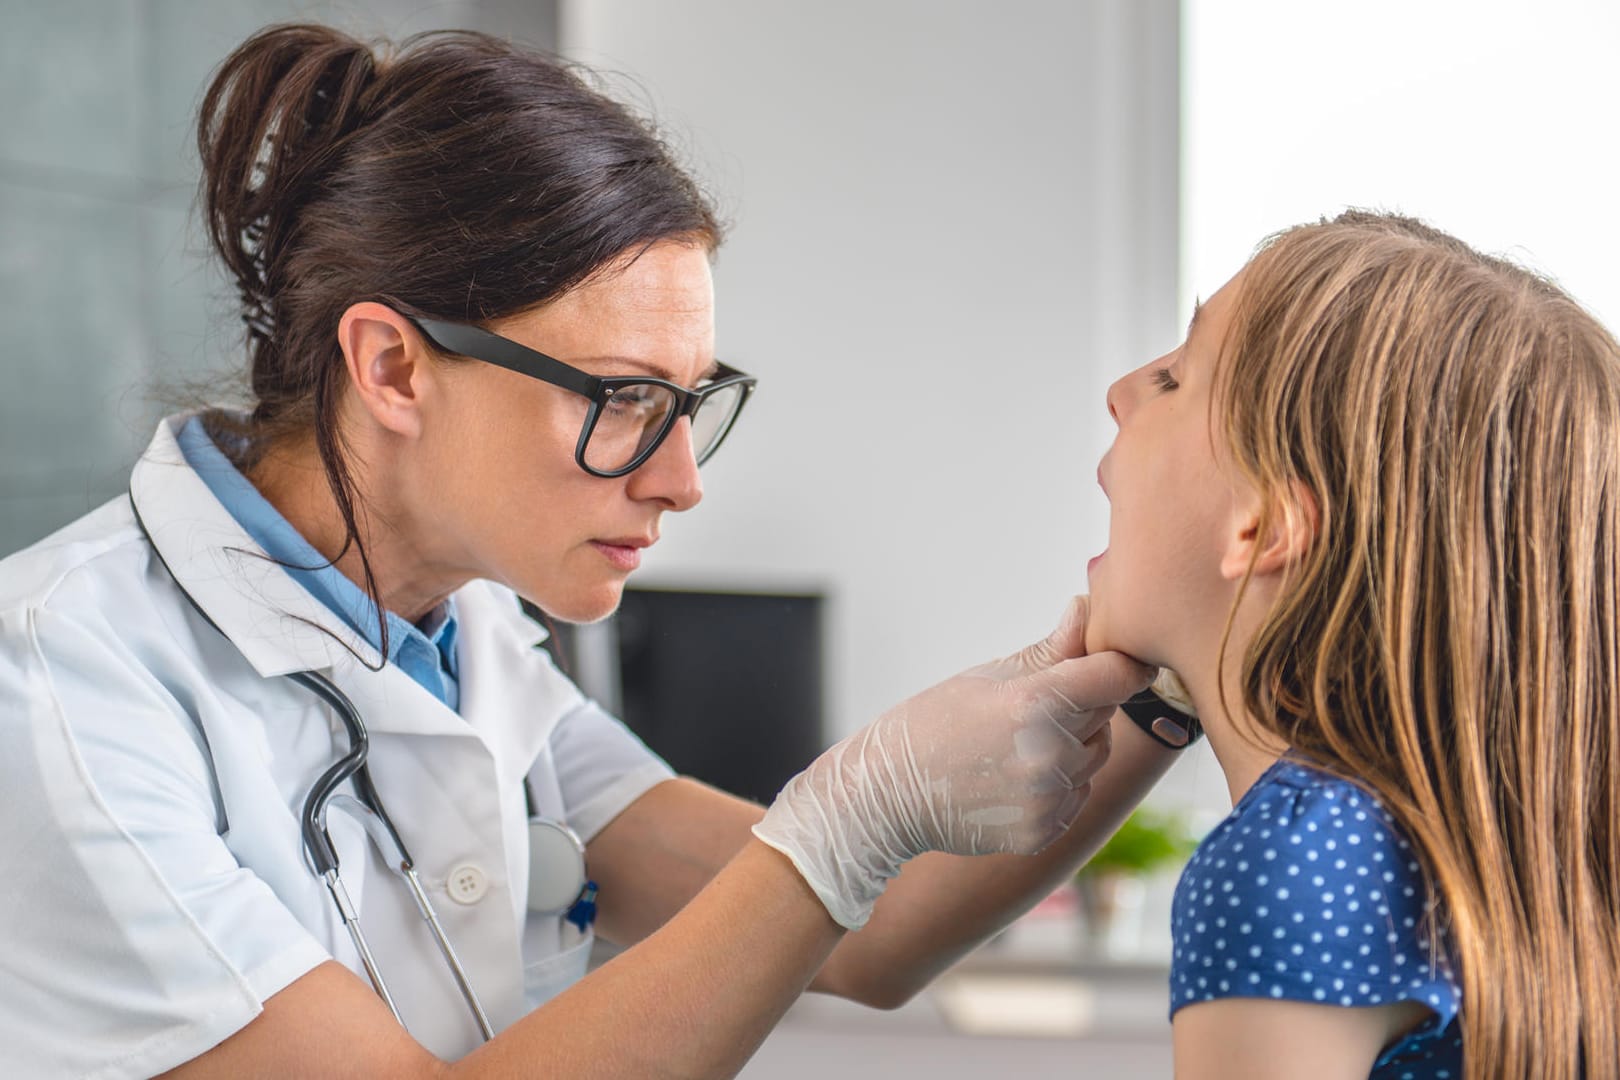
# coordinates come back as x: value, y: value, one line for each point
x: 638, y: 415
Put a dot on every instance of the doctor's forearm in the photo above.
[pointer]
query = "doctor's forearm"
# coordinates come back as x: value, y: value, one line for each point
x: 941, y: 907
x: 695, y: 999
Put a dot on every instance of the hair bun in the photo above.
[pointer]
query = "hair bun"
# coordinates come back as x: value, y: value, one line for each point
x: 276, y: 116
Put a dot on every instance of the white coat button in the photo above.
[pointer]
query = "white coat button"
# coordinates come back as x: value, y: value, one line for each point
x: 467, y: 883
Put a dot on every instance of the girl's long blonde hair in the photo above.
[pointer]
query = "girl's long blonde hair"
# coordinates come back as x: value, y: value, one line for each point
x: 1450, y: 639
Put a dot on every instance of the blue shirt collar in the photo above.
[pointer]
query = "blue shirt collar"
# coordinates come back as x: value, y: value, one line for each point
x: 426, y: 653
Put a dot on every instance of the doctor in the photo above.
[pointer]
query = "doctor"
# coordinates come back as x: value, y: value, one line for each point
x: 479, y: 321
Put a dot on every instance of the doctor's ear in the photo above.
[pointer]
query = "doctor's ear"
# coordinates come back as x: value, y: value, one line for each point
x: 388, y: 365
x: 1272, y: 543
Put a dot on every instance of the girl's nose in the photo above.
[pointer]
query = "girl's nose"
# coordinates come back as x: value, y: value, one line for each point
x: 1115, y: 397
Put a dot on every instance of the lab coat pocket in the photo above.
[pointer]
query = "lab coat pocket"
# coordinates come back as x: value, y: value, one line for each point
x: 545, y: 979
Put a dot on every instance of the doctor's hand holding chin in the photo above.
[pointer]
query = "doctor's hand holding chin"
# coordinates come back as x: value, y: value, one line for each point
x: 480, y: 336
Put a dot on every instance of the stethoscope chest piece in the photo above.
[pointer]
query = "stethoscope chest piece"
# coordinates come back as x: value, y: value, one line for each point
x: 556, y: 867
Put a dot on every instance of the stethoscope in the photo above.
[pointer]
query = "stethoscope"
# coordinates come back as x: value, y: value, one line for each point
x: 558, y: 884
x: 556, y: 854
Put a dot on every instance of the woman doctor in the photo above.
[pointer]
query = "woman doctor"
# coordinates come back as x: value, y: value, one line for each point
x: 415, y: 236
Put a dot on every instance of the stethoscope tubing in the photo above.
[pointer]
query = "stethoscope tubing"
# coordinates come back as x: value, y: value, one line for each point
x: 318, y: 842
x: 318, y: 845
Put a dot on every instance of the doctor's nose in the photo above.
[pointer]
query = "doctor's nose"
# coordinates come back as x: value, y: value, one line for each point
x: 671, y: 474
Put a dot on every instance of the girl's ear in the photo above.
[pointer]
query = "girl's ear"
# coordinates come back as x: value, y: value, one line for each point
x: 1273, y: 546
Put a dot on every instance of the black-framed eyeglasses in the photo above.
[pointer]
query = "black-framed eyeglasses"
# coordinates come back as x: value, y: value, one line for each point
x: 629, y: 416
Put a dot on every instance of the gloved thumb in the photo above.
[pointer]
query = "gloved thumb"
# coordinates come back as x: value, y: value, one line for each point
x: 1069, y: 639
x: 1064, y: 643
x: 1086, y: 683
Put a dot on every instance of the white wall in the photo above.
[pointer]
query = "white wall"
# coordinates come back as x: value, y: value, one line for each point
x: 955, y: 224
x: 1494, y: 119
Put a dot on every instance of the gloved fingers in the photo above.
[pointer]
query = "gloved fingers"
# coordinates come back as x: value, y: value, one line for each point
x: 1059, y: 814
x: 1077, y: 762
x: 1053, y: 708
x: 1046, y: 754
x: 1077, y: 689
x: 1064, y: 643
x: 1050, y: 758
x: 1069, y: 811
x: 1090, y: 756
x: 1104, y: 735
x: 1068, y: 641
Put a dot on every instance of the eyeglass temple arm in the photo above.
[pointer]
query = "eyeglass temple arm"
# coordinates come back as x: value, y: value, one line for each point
x: 464, y: 340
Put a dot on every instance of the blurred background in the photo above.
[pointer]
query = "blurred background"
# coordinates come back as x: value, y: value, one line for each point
x: 954, y: 224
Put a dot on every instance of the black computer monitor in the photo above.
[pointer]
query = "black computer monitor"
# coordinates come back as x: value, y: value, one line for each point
x: 725, y: 686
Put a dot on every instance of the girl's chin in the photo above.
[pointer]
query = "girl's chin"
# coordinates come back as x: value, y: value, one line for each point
x: 1104, y: 636
x: 1097, y: 629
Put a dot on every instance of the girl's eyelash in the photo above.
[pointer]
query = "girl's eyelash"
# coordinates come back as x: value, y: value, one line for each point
x: 1163, y: 379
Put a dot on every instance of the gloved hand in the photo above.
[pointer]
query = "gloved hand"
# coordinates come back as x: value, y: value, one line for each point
x: 996, y: 759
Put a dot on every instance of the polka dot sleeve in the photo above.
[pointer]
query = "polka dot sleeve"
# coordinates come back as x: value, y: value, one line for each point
x: 1307, y: 892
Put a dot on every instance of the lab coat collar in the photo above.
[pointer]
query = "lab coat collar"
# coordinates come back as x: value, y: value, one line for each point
x: 280, y: 627
x: 511, y: 696
x: 277, y: 624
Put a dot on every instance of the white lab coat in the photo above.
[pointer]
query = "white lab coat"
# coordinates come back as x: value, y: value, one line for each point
x: 134, y: 935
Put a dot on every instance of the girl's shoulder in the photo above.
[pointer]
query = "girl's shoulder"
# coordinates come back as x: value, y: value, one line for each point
x: 1309, y: 892
x: 1299, y: 799
x: 1299, y: 829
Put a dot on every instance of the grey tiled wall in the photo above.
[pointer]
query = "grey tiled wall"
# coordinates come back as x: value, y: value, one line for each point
x: 110, y: 311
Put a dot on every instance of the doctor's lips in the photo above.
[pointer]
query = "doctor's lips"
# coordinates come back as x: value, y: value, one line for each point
x: 623, y: 552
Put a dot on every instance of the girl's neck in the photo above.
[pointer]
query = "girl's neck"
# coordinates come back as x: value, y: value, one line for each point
x: 1243, y: 752
x: 1243, y: 749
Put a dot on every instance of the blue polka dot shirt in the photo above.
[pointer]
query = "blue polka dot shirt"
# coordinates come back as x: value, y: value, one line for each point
x: 1307, y: 892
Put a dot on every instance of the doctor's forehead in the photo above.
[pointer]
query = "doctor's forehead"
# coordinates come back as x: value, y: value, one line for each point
x: 655, y: 313
x: 668, y: 279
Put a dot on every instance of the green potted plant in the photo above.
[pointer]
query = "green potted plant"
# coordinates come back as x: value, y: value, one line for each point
x: 1149, y: 841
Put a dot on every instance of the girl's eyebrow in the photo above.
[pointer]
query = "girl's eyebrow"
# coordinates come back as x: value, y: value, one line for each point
x: 1198, y: 306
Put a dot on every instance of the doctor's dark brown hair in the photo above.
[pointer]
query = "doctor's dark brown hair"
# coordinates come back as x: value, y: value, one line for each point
x: 458, y: 176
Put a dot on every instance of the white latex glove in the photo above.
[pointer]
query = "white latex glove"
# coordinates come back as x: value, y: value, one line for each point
x: 996, y: 759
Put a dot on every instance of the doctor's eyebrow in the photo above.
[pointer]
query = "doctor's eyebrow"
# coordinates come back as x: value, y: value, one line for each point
x: 655, y: 370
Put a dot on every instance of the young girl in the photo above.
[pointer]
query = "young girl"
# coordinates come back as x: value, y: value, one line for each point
x: 1368, y: 512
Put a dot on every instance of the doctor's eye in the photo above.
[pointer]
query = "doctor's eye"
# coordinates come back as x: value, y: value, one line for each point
x: 1163, y: 379
x: 638, y: 402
